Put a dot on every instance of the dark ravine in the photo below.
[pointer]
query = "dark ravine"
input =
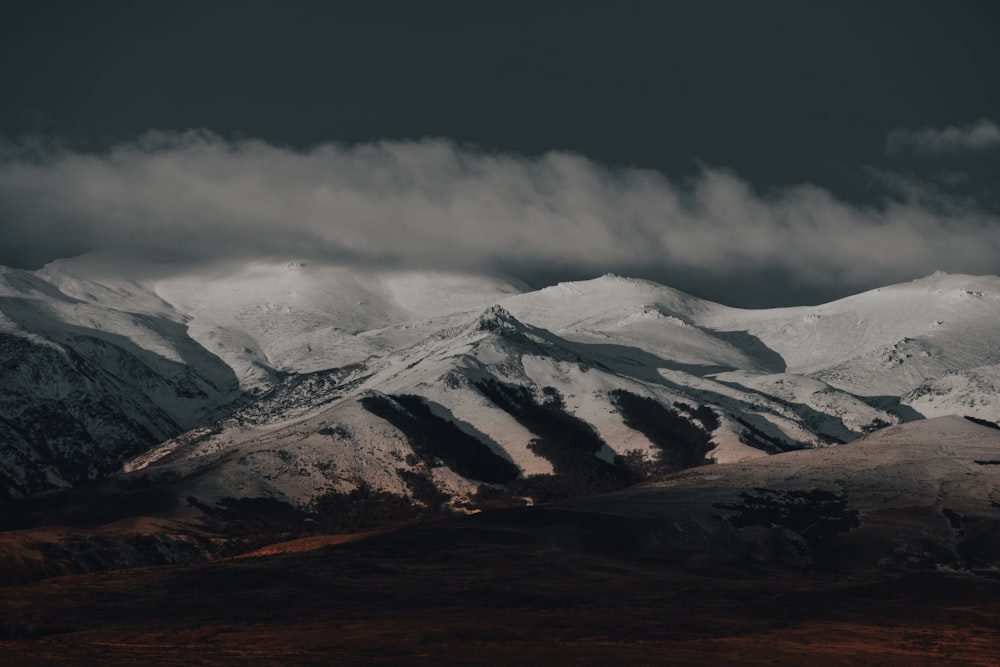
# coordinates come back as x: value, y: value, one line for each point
x: 438, y: 441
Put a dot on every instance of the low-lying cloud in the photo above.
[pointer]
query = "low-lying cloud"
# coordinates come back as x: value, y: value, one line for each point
x: 433, y: 203
x: 979, y: 136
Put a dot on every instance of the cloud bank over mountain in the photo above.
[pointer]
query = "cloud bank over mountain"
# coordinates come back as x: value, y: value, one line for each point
x: 982, y: 135
x: 435, y: 203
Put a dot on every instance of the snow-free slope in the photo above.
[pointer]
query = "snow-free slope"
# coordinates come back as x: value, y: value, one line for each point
x: 921, y: 495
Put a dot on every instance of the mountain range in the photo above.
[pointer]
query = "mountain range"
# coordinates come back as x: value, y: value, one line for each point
x: 296, y: 382
x: 237, y: 463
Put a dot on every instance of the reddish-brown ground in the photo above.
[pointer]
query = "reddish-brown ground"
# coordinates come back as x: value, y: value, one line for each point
x: 310, y: 543
x: 487, y: 592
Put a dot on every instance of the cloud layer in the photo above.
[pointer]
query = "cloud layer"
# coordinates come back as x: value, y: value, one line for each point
x: 432, y: 203
x: 979, y: 136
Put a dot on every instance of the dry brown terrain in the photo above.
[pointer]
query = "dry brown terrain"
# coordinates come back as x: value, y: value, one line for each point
x: 538, y: 587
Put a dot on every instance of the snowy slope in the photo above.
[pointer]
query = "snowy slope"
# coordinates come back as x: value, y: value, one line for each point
x: 887, y: 341
x: 104, y: 356
x: 289, y: 317
x: 930, y: 343
x: 616, y: 312
x: 326, y: 442
x: 84, y: 384
x: 321, y: 350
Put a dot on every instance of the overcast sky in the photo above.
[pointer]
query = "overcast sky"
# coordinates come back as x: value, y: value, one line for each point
x: 755, y: 153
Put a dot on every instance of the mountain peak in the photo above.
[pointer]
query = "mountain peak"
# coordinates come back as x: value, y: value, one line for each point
x: 498, y: 318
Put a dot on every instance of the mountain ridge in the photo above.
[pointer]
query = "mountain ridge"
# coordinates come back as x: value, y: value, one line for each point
x: 278, y: 349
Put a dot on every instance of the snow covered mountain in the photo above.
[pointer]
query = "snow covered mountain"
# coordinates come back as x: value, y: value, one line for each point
x: 308, y: 382
x: 102, y: 357
x: 84, y: 384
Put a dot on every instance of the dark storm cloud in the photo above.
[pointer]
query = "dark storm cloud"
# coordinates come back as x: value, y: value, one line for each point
x: 979, y: 136
x: 432, y: 203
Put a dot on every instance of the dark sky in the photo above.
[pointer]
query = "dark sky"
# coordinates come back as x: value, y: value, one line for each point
x: 779, y: 93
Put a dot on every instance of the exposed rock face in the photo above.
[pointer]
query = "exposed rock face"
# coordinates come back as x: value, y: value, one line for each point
x: 74, y: 411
